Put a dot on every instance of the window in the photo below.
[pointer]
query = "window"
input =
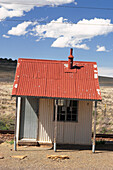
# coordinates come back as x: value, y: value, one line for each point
x: 67, y: 110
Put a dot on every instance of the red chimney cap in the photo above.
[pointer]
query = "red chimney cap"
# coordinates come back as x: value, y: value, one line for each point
x: 71, y: 53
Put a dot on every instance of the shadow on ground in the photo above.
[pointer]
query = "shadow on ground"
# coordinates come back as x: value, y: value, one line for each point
x: 99, y: 147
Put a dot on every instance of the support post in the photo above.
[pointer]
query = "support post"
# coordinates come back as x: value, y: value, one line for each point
x: 94, y: 134
x: 55, y: 128
x: 18, y: 119
x: 15, y: 143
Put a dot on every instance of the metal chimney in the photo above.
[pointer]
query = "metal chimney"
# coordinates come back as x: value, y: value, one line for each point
x: 70, y: 59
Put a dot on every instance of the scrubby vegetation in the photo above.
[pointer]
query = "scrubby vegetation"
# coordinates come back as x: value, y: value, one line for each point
x: 105, y: 111
x: 8, y: 105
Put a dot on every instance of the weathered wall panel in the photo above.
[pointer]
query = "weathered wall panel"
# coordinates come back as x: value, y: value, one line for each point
x: 84, y: 125
x: 45, y: 120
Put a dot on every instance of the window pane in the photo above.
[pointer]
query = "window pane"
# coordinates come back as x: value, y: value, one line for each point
x: 62, y: 117
x: 74, y: 110
x: 61, y: 110
x: 74, y: 117
x: 68, y: 117
x: 74, y: 103
x: 68, y: 103
x: 68, y: 110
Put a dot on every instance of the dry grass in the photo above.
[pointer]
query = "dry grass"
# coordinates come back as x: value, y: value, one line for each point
x: 104, y: 116
x: 7, y: 105
x: 105, y: 111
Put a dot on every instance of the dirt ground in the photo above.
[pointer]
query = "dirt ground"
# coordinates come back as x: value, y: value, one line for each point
x: 80, y: 157
x: 36, y: 158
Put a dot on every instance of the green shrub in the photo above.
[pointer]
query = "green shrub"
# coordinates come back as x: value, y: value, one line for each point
x: 3, y: 126
x: 103, y: 131
x: 10, y: 142
x: 100, y: 142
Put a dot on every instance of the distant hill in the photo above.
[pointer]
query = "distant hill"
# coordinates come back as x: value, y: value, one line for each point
x: 105, y: 81
x: 6, y: 60
x: 8, y: 68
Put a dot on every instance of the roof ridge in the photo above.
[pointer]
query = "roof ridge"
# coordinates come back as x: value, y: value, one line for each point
x: 53, y: 61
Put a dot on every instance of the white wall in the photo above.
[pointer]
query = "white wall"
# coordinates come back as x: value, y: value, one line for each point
x: 67, y: 132
x: 46, y: 124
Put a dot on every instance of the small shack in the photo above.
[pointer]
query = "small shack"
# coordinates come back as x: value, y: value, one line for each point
x: 55, y: 100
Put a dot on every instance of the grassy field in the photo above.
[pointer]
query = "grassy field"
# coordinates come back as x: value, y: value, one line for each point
x: 8, y: 105
x: 105, y: 111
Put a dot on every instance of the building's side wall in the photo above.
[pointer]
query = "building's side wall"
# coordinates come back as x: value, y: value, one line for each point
x: 67, y: 132
x: 28, y: 118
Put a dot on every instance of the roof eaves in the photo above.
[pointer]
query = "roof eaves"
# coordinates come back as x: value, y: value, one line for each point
x: 58, y: 98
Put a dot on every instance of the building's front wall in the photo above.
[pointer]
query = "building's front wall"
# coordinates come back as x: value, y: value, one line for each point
x: 67, y: 132
x: 46, y: 124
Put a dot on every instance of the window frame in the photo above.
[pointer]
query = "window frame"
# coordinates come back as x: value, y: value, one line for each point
x: 66, y: 114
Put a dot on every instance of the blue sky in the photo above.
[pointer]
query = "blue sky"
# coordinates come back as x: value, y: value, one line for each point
x: 48, y: 29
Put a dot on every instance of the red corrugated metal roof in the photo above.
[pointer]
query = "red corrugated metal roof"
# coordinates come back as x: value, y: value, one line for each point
x: 50, y: 78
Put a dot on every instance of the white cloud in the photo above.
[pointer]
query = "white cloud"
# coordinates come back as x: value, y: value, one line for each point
x: 101, y: 48
x: 6, y: 36
x: 12, y: 11
x: 17, y: 8
x: 38, y: 40
x: 105, y: 71
x: 20, y: 29
x: 83, y: 46
x: 67, y: 34
x: 75, y: 3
